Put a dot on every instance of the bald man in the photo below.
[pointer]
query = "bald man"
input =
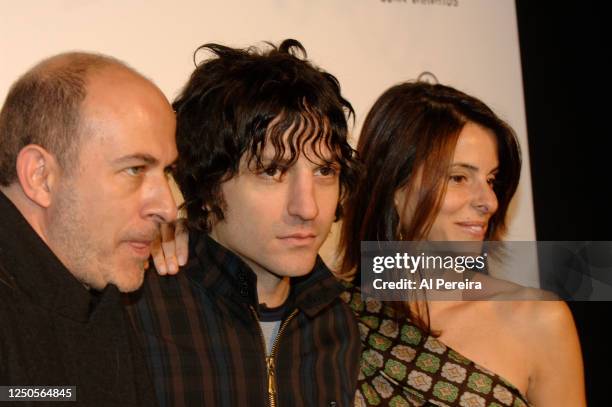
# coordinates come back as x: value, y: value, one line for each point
x: 85, y: 147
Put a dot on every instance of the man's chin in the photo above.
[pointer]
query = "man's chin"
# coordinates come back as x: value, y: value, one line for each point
x: 129, y: 287
x: 130, y: 280
x: 297, y: 269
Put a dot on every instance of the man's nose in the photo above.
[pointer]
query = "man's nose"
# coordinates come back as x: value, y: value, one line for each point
x: 161, y: 205
x: 302, y: 201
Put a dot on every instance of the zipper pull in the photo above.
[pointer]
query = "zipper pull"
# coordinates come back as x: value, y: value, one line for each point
x: 271, y: 378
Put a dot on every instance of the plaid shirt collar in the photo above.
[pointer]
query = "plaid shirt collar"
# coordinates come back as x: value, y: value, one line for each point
x: 215, y: 268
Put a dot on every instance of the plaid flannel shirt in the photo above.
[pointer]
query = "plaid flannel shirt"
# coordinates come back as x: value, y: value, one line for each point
x: 201, y: 333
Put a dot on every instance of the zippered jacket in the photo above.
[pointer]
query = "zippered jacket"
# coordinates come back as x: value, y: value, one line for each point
x: 205, y: 345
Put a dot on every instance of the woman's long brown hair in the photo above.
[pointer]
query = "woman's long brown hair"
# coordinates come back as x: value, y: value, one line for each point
x: 413, y: 128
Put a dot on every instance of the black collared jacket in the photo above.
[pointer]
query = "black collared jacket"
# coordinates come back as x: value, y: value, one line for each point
x: 205, y: 346
x: 54, y: 332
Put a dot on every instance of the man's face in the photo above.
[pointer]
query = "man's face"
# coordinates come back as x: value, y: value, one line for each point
x: 106, y: 212
x: 277, y: 220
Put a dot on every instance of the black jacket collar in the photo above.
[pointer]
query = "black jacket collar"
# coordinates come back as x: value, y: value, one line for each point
x: 219, y: 270
x: 30, y: 266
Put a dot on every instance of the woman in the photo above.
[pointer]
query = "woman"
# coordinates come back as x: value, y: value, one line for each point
x: 441, y: 166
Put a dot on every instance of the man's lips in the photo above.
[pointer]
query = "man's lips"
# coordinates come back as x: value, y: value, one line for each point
x: 299, y: 238
x: 142, y: 248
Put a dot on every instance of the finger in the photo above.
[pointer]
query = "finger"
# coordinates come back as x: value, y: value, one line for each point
x: 181, y: 238
x: 158, y: 257
x: 169, y: 247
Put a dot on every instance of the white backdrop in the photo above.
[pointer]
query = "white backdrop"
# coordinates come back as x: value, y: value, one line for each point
x: 368, y: 45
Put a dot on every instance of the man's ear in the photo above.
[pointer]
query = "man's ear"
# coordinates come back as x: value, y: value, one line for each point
x: 38, y: 173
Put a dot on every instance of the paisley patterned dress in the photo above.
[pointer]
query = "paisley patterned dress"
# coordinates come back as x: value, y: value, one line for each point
x: 402, y: 366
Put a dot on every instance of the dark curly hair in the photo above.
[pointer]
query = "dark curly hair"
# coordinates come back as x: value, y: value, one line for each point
x: 237, y: 102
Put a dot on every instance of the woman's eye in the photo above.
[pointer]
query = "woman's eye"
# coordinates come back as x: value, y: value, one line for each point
x: 457, y: 178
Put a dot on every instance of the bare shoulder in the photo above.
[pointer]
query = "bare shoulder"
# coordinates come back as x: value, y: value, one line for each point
x: 543, y: 319
x: 528, y: 310
x: 548, y: 332
x: 552, y: 316
x: 542, y: 329
x: 558, y: 377
x: 552, y: 325
x: 497, y: 289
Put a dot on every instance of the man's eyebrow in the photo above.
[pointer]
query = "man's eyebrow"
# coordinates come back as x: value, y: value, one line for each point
x: 144, y: 158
